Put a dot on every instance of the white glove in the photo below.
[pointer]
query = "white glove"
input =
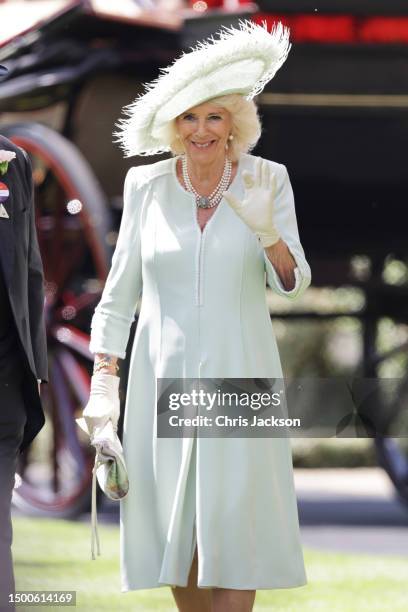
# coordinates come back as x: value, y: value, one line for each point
x: 103, y: 404
x: 257, y: 207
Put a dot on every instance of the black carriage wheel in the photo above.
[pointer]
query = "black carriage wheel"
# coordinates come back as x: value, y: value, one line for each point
x: 73, y: 221
x: 392, y: 450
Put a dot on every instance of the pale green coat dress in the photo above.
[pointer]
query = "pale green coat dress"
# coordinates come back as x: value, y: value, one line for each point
x: 203, y: 314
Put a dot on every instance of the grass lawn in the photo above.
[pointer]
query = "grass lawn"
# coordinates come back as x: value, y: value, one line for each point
x: 52, y: 555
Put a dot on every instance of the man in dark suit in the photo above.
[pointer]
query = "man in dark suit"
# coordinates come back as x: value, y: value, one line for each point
x: 23, y: 348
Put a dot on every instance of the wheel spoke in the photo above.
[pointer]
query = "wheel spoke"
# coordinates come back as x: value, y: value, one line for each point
x: 76, y: 375
x: 66, y: 412
x: 73, y: 338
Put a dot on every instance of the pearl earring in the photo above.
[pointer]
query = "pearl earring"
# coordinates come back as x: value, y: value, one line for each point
x: 230, y: 137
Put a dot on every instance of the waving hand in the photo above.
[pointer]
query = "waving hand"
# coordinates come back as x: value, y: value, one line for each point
x: 257, y: 206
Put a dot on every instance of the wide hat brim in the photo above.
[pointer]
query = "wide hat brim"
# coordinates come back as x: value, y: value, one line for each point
x: 237, y: 77
x: 238, y: 61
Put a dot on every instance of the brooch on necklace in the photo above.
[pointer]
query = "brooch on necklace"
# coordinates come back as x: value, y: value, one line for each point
x: 216, y: 196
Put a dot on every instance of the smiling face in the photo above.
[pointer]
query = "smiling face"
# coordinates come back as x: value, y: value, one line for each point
x: 204, y: 131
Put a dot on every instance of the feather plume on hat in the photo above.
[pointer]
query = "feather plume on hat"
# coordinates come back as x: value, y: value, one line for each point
x: 240, y: 60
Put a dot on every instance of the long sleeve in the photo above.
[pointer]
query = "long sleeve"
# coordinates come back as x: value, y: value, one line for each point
x: 285, y: 219
x: 36, y: 298
x: 110, y: 326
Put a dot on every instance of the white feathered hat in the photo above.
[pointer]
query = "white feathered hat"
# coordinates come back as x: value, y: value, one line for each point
x: 241, y: 60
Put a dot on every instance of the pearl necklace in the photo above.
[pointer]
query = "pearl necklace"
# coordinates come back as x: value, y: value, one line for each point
x: 216, y: 196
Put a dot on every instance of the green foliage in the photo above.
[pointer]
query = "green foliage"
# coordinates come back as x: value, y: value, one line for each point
x: 341, y: 453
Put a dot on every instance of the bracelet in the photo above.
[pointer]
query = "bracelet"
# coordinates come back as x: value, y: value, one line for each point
x: 104, y: 363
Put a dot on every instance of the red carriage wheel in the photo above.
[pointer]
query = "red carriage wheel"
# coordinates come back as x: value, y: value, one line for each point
x: 73, y: 222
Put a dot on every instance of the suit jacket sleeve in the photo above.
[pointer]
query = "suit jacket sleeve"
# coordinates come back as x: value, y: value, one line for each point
x: 286, y: 223
x: 36, y: 298
x: 110, y: 326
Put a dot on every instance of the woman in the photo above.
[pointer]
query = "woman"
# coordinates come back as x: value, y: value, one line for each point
x: 215, y: 519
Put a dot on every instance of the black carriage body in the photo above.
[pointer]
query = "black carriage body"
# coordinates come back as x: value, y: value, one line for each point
x: 339, y: 120
x: 337, y: 115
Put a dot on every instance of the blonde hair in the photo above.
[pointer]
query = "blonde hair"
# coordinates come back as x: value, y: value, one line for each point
x: 246, y: 126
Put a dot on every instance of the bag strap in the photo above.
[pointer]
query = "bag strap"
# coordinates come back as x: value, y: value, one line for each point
x: 94, y: 518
